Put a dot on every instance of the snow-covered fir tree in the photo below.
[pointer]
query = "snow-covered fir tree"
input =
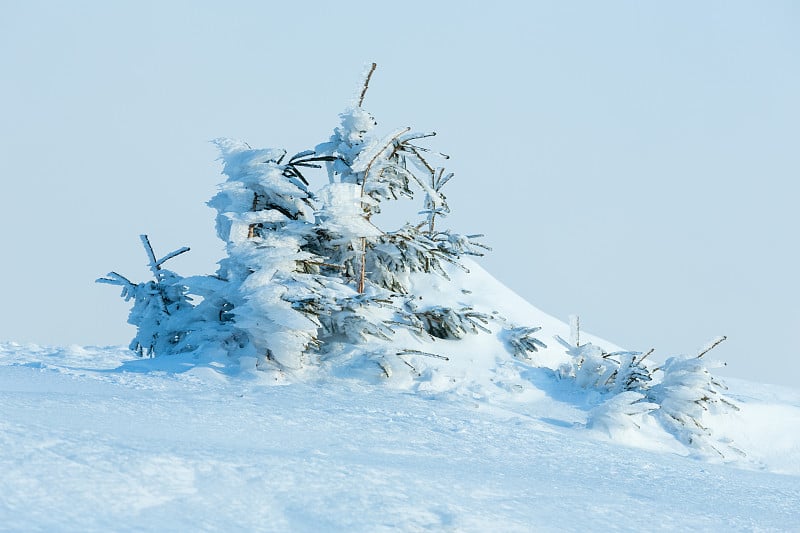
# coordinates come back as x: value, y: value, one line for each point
x: 266, y: 218
x: 306, y: 274
x: 363, y: 172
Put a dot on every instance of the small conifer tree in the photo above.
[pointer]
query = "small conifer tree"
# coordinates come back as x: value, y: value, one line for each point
x: 161, y: 307
x: 685, y: 393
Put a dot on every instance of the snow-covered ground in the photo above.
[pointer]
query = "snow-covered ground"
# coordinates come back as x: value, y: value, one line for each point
x: 95, y: 439
x: 87, y: 446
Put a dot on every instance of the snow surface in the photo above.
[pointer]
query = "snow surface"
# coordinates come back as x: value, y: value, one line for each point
x: 95, y: 439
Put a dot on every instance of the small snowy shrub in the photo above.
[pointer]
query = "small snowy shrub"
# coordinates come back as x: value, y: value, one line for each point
x: 161, y: 308
x: 591, y: 367
x: 685, y: 393
x: 677, y: 394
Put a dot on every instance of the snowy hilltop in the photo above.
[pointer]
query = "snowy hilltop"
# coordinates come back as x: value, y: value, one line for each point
x: 333, y: 374
x: 313, y: 284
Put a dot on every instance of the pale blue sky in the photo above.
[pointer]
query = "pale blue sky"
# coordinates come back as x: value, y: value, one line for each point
x: 634, y: 162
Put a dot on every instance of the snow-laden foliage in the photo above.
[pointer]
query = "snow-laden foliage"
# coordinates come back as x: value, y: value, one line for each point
x: 358, y: 318
x: 677, y: 394
x: 449, y: 323
x: 593, y: 368
x: 265, y: 215
x: 685, y: 393
x: 308, y: 274
x: 620, y: 411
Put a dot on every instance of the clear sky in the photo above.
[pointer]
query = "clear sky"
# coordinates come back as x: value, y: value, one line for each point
x: 635, y: 163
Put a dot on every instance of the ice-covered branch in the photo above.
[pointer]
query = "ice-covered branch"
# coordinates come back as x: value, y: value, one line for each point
x: 711, y: 345
x: 155, y: 264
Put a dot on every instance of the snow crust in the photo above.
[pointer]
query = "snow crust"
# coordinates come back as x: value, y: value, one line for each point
x: 96, y: 439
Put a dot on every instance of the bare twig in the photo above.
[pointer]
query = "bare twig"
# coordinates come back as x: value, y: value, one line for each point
x: 155, y: 264
x: 362, y: 275
x: 148, y: 248
x: 415, y: 151
x: 251, y: 230
x: 426, y: 354
x: 712, y: 346
x: 409, y: 365
x: 386, y: 370
x: 112, y: 278
x: 170, y: 255
x: 366, y: 83
x: 647, y: 354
